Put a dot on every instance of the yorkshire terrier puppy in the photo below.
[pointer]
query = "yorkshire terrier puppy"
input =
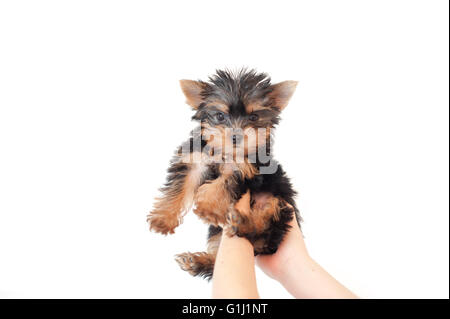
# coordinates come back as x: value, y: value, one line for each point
x: 226, y: 169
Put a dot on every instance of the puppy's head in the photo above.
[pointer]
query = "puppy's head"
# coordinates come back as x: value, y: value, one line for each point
x: 237, y: 110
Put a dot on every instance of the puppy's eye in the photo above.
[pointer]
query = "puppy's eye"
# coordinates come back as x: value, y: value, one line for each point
x: 220, y: 116
x: 253, y: 117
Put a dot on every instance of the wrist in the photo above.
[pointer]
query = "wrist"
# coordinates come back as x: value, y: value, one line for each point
x: 293, y: 267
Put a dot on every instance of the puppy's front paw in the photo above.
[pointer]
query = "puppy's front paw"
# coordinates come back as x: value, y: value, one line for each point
x: 162, y: 222
x: 207, y: 215
x: 211, y: 203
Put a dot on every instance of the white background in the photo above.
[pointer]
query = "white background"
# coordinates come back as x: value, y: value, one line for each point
x: 91, y: 112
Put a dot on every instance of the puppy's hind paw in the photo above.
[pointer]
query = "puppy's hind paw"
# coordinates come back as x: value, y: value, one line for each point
x: 197, y: 264
x: 185, y: 261
x: 236, y: 224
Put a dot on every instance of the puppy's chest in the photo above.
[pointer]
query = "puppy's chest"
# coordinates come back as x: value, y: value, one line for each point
x: 238, y: 171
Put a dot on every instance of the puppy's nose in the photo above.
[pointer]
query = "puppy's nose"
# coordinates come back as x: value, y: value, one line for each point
x: 237, y: 139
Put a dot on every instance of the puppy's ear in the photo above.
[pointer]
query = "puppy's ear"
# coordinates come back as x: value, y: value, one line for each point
x: 193, y: 92
x: 281, y: 93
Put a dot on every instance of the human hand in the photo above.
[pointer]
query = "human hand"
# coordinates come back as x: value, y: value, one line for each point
x: 292, y: 266
x: 290, y: 253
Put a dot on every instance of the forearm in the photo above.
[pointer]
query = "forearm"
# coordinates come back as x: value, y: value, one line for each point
x: 304, y: 278
x: 234, y: 270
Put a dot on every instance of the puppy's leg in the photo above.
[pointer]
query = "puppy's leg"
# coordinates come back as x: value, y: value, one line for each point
x: 197, y: 264
x: 275, y: 234
x: 215, y: 198
x: 239, y: 217
x: 177, y: 196
x: 253, y: 214
x: 212, y: 201
x: 201, y: 263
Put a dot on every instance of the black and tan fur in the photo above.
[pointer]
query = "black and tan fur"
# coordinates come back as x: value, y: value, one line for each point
x: 236, y: 194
